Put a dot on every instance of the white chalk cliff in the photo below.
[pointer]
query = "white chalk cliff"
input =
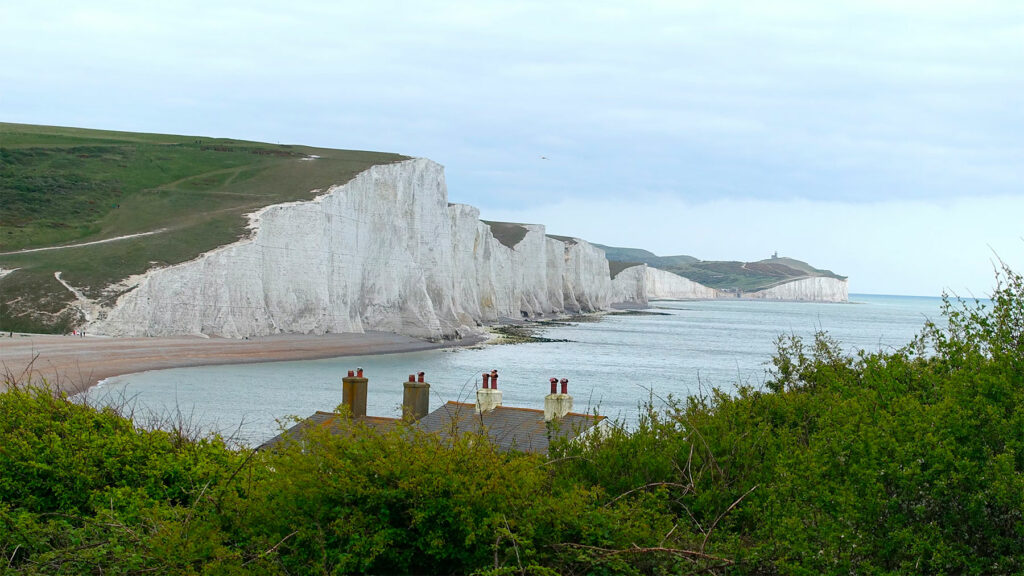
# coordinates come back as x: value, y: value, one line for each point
x: 640, y: 283
x: 662, y: 285
x: 385, y: 251
x: 814, y: 289
x: 629, y: 286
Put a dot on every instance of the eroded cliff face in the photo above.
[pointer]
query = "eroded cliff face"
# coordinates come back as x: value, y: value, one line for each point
x: 630, y: 286
x: 384, y: 251
x: 639, y: 284
x: 586, y: 280
x: 662, y: 285
x: 817, y: 289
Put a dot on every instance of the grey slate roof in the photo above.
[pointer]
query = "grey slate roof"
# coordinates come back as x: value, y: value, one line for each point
x: 329, y: 420
x: 510, y: 428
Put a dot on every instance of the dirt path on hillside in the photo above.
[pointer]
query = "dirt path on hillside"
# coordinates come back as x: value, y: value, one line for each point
x: 79, y: 245
x: 74, y: 363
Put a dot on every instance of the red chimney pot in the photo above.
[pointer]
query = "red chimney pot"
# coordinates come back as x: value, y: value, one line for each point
x: 487, y: 380
x: 494, y: 379
x: 421, y: 376
x: 412, y: 377
x: 565, y: 385
x: 554, y: 385
x: 359, y: 372
x: 351, y: 373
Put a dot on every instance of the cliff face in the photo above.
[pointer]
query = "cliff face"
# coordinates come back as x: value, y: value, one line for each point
x: 586, y: 282
x: 817, y: 289
x: 386, y: 251
x: 383, y: 252
x: 641, y: 283
x: 630, y: 286
x: 662, y: 285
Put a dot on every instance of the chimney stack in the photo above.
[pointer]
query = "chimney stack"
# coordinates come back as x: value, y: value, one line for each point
x: 354, y: 393
x: 416, y: 398
x: 556, y: 406
x: 488, y: 399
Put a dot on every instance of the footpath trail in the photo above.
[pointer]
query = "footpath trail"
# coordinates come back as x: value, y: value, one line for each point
x: 80, y: 244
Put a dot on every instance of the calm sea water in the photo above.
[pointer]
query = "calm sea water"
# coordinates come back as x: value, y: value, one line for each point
x: 612, y: 365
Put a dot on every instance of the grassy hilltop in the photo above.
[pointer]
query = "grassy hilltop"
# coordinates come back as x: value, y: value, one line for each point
x: 60, y: 187
x: 723, y: 275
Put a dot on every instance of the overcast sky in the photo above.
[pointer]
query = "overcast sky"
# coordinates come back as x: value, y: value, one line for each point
x: 881, y: 140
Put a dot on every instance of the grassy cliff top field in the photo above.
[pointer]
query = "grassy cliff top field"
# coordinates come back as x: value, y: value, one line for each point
x: 66, y: 189
x: 508, y: 233
x: 723, y: 275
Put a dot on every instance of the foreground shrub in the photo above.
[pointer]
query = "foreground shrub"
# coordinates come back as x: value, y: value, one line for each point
x: 910, y: 461
x: 900, y: 462
x: 83, y: 491
x: 403, y: 502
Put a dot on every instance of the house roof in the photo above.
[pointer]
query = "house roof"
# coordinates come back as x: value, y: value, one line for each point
x: 509, y: 427
x: 330, y: 421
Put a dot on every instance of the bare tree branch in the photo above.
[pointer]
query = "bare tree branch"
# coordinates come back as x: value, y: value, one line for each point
x: 691, y: 555
x: 269, y: 550
x: 726, y: 511
x: 515, y: 545
x: 662, y: 543
x: 686, y: 488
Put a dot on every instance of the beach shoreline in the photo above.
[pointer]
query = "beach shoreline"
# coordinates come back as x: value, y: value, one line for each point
x: 74, y: 364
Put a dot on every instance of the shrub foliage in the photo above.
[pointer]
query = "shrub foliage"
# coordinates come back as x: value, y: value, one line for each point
x: 895, y: 462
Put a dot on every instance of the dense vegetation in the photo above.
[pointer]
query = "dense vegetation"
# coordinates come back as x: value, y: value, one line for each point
x: 898, y: 462
x: 723, y: 275
x: 66, y: 186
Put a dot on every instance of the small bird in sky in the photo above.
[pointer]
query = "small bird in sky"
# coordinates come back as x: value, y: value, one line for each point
x: 543, y: 157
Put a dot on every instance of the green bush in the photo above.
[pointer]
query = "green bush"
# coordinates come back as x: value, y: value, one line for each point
x: 902, y: 462
x: 83, y: 491
x: 403, y: 502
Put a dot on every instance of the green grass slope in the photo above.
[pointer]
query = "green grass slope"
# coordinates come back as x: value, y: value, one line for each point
x: 723, y: 275
x: 68, y: 186
x: 508, y: 233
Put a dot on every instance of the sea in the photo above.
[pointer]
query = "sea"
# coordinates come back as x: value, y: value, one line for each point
x: 615, y: 364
